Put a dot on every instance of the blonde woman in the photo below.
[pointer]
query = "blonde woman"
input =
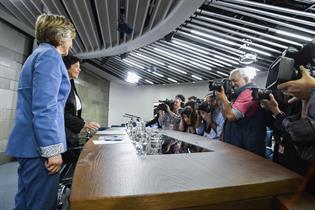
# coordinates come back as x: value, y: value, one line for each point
x: 38, y: 136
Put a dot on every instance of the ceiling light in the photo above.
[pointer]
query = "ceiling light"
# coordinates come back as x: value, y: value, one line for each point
x: 308, y: 39
x: 190, y: 47
x: 198, y: 78
x: 150, y: 59
x: 248, y: 58
x: 133, y: 64
x: 215, y: 44
x: 213, y: 37
x: 211, y: 52
x: 148, y: 81
x: 180, y: 71
x: 198, y: 64
x: 160, y: 75
x: 132, y: 77
x: 170, y: 79
x: 170, y: 54
x: 224, y: 74
x: 226, y: 59
x: 255, y: 50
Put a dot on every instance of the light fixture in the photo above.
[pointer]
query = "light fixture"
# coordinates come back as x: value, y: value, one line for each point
x: 214, y: 43
x: 133, y: 64
x: 160, y: 75
x: 148, y: 81
x: 170, y: 79
x: 255, y: 50
x: 170, y: 54
x: 180, y: 71
x: 132, y: 77
x: 214, y: 37
x: 200, y: 65
x: 123, y: 56
x: 150, y: 59
x: 285, y: 33
x: 198, y: 78
x: 248, y: 58
x: 224, y: 74
x: 190, y: 47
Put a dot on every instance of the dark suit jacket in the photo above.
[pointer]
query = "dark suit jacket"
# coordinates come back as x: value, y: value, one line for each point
x: 73, y: 121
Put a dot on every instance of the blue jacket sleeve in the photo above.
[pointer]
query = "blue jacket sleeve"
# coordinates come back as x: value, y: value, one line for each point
x: 47, y: 78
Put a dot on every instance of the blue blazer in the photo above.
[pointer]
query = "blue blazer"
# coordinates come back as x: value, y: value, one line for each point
x: 43, y: 90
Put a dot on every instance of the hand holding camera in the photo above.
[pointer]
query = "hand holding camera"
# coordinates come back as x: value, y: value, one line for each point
x: 220, y: 95
x: 270, y: 104
x: 300, y: 88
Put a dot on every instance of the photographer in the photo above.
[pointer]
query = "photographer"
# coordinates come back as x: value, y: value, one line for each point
x: 188, y: 118
x: 212, y: 118
x: 169, y: 118
x: 298, y: 130
x: 245, y: 123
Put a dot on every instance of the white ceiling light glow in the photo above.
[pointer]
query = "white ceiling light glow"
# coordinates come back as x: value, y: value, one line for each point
x: 198, y: 78
x: 130, y: 63
x: 172, y: 80
x: 132, y: 78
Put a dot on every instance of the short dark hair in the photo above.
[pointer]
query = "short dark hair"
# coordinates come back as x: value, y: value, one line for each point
x: 192, y: 98
x: 181, y: 97
x: 70, y: 60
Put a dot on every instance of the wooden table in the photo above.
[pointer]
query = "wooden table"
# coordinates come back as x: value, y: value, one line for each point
x: 113, y: 176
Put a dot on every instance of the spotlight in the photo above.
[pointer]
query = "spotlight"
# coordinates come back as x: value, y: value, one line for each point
x: 248, y: 58
x: 123, y: 56
x: 169, y: 37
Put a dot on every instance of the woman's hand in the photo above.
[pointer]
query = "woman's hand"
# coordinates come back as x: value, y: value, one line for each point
x: 91, y: 126
x: 53, y: 164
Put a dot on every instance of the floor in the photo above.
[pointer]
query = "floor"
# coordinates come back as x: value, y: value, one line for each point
x: 8, y: 185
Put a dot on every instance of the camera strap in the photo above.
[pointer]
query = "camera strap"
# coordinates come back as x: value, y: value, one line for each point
x: 234, y: 95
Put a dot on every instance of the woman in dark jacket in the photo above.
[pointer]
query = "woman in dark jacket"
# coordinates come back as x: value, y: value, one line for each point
x: 73, y: 120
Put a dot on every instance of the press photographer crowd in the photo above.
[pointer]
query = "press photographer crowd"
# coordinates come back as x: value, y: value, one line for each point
x: 280, y: 118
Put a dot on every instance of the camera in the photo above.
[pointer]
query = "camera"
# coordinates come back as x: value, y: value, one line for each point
x: 216, y: 86
x: 286, y: 67
x: 187, y: 110
x: 162, y: 105
x: 203, y: 105
x: 259, y: 94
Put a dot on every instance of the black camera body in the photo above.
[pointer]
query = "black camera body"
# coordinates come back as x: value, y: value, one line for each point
x: 216, y: 86
x: 203, y: 105
x: 259, y: 94
x: 162, y: 106
x: 286, y: 67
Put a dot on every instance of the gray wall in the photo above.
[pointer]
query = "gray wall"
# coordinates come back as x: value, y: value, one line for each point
x: 94, y: 92
x: 14, y: 48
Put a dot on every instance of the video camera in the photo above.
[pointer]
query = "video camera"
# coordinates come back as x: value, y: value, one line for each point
x: 286, y: 67
x: 216, y: 86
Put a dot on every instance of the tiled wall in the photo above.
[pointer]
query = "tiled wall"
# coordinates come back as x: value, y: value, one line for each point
x: 94, y: 93
x: 14, y: 48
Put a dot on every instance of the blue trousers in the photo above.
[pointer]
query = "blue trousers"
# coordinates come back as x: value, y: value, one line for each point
x: 36, y: 189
